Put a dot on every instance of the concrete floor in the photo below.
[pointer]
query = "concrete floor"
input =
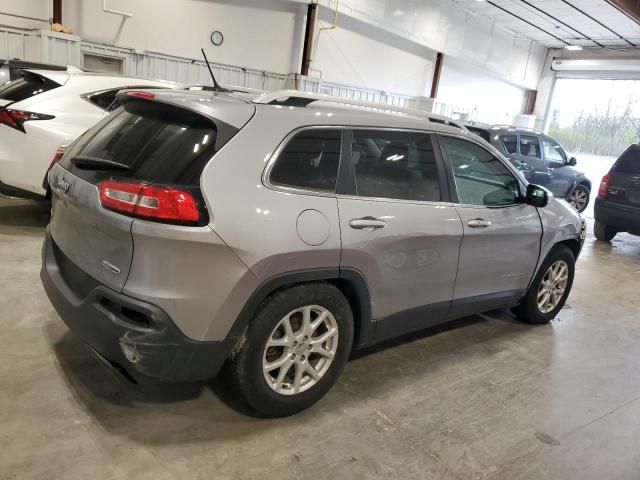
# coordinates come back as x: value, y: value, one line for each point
x: 486, y: 397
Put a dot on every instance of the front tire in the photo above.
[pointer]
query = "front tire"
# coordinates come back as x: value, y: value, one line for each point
x: 579, y: 197
x: 603, y: 232
x: 550, y: 288
x: 295, y: 349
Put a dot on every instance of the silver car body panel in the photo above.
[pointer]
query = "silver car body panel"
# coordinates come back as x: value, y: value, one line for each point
x: 500, y: 257
x: 204, y: 276
x: 96, y: 240
x: 409, y: 263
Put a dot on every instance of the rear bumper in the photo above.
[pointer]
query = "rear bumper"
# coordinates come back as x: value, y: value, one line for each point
x: 137, y: 339
x: 10, y: 191
x: 624, y: 218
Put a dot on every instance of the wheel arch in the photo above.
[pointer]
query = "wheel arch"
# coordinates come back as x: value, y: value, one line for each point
x: 573, y: 245
x: 350, y: 282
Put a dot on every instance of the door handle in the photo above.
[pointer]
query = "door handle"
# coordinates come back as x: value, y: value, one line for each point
x: 479, y: 223
x: 367, y: 223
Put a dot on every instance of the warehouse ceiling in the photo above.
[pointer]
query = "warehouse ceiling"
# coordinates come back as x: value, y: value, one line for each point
x: 559, y: 23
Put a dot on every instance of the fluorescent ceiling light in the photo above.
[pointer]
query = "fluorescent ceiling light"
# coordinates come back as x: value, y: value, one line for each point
x: 573, y: 47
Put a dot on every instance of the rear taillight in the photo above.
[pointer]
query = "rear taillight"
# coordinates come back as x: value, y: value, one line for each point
x: 143, y: 95
x: 604, y: 186
x: 141, y: 200
x: 56, y: 157
x: 17, y: 118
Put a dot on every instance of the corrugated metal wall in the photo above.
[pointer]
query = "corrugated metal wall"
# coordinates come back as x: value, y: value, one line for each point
x: 50, y: 47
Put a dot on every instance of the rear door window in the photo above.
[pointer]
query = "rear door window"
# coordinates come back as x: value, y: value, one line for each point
x: 26, y: 87
x: 509, y: 143
x: 147, y: 141
x: 310, y: 160
x: 530, y: 146
x: 395, y: 165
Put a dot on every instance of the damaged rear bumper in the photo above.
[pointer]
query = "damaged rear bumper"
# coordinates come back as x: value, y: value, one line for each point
x: 137, y: 339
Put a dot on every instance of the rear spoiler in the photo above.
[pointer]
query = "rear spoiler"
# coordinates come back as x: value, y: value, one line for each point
x: 59, y: 77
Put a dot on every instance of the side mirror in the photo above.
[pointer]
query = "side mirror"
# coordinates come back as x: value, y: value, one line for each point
x: 537, y: 196
x: 572, y: 161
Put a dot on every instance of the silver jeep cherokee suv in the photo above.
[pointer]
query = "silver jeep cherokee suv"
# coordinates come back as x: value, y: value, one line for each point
x: 276, y: 233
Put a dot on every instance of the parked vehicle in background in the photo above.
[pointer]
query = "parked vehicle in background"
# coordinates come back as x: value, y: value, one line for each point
x: 541, y: 159
x: 617, y: 207
x: 282, y: 231
x: 13, y: 69
x: 43, y: 110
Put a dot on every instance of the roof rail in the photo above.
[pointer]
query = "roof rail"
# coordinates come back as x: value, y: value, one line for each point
x: 297, y: 98
x: 514, y: 127
x: 210, y: 88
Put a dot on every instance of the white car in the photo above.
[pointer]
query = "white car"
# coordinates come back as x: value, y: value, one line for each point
x: 45, y: 110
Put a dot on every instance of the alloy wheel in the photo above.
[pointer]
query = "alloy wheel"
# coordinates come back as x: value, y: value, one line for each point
x: 553, y: 286
x: 579, y: 198
x: 300, y: 350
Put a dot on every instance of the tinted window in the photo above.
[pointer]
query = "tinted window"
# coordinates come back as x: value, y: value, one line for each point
x: 398, y: 165
x: 103, y: 100
x: 26, y: 87
x: 480, y: 178
x: 629, y: 162
x: 481, y: 132
x: 552, y: 151
x: 155, y: 142
x: 529, y: 146
x: 310, y: 160
x: 509, y: 143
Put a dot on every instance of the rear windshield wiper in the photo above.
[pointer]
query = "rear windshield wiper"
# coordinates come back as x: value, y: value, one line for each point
x: 85, y: 161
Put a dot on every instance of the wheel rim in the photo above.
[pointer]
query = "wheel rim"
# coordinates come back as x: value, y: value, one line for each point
x: 553, y: 286
x: 300, y: 350
x: 579, y: 198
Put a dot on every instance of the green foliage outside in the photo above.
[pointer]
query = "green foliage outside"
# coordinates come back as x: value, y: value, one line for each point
x: 599, y: 133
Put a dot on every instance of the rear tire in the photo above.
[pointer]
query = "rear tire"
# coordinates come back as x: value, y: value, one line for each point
x: 288, y: 329
x: 603, y: 232
x: 550, y: 288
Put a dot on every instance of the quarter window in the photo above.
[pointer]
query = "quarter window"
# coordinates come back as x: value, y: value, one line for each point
x: 552, y: 151
x: 103, y: 100
x: 480, y: 178
x: 510, y: 143
x: 310, y: 160
x: 395, y: 165
x: 529, y: 146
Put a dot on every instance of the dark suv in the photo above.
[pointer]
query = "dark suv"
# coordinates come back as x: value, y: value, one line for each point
x: 617, y: 207
x: 541, y: 159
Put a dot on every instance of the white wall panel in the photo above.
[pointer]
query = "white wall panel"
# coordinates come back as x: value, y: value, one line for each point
x: 42, y: 9
x: 482, y: 96
x: 258, y: 34
x: 445, y: 27
x: 356, y: 54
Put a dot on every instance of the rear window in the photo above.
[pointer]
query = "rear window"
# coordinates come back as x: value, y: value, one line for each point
x: 629, y: 161
x: 481, y: 132
x: 26, y: 87
x: 147, y: 141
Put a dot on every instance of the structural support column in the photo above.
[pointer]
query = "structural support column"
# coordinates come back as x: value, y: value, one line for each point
x: 437, y: 70
x: 57, y: 11
x: 309, y: 33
